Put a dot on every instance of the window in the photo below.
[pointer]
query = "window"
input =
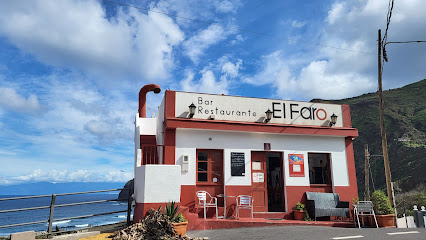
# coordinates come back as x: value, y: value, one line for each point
x: 319, y: 168
x: 210, y: 166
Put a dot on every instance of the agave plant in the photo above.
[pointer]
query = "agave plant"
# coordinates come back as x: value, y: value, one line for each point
x: 172, y: 212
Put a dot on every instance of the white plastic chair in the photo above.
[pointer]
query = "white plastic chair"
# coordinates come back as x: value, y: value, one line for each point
x: 365, y: 208
x: 244, y: 202
x: 204, y: 203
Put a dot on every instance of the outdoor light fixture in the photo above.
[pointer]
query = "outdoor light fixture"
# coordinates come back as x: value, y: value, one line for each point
x: 333, y: 120
x: 191, y: 110
x: 268, y: 116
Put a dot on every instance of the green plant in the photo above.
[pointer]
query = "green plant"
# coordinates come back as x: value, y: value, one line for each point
x: 171, y: 211
x: 180, y: 218
x: 381, y: 203
x: 299, y: 206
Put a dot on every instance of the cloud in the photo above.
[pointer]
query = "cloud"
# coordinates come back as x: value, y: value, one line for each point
x: 195, y: 46
x: 63, y: 176
x: 10, y: 99
x: 224, y: 68
x: 330, y: 72
x: 317, y: 80
x: 226, y: 6
x: 80, y: 35
x: 298, y: 24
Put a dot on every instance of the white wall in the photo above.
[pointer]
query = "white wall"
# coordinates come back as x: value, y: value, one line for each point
x: 148, y: 126
x: 157, y: 183
x: 160, y: 130
x: 188, y: 140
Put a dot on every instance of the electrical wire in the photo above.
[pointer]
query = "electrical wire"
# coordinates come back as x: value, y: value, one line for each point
x: 236, y: 28
x: 408, y: 42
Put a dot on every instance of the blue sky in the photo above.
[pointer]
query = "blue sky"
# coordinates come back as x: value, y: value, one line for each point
x: 70, y: 71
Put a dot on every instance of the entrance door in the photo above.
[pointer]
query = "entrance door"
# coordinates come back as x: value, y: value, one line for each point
x: 274, y: 167
x: 259, y: 183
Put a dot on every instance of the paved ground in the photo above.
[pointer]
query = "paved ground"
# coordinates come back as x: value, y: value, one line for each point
x: 311, y: 233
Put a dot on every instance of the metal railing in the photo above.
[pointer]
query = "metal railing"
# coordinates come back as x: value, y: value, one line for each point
x: 152, y: 154
x: 53, y: 206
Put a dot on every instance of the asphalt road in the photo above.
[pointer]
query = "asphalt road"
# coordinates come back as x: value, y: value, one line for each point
x: 311, y: 233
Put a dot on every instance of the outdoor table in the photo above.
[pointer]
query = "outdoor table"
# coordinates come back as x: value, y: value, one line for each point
x: 224, y: 204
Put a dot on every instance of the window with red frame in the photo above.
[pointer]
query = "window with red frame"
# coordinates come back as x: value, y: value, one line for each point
x: 210, y: 166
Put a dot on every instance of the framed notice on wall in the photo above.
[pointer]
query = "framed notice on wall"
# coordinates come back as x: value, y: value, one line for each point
x: 238, y: 167
x: 296, y: 164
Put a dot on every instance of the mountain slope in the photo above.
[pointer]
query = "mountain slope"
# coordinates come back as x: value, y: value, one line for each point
x: 405, y: 123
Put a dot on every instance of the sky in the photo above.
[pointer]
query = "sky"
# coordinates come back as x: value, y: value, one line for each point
x: 71, y: 70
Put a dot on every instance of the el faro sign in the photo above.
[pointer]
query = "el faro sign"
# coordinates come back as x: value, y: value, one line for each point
x: 244, y: 109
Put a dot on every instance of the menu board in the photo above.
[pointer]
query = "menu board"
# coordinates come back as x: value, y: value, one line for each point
x: 238, y: 164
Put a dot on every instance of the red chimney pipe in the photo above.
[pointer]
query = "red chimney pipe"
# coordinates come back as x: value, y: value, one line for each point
x: 142, y: 97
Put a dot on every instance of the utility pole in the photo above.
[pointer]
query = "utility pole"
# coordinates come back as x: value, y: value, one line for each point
x: 382, y: 123
x: 367, y: 173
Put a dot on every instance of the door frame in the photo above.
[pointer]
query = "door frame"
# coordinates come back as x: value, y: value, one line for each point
x: 264, y: 153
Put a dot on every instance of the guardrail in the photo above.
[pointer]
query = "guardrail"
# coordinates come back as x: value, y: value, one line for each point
x: 53, y: 206
x: 152, y: 154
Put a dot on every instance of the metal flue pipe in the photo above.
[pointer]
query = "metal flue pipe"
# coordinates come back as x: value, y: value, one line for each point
x: 142, y: 97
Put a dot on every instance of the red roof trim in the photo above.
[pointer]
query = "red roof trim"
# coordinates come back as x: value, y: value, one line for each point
x: 173, y: 123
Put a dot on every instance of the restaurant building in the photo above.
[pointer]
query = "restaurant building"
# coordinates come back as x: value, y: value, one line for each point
x: 273, y: 150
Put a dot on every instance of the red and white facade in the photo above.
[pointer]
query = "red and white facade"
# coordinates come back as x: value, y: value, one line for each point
x: 228, y: 148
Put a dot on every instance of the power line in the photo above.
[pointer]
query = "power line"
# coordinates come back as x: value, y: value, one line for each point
x: 238, y: 29
x: 408, y: 42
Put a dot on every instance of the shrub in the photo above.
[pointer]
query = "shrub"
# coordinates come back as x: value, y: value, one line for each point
x: 299, y: 206
x: 381, y: 203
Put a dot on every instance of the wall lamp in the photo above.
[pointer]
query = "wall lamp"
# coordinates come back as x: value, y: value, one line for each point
x: 333, y: 120
x: 192, y: 108
x: 268, y: 116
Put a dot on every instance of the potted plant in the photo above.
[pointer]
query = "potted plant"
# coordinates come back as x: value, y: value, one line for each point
x: 178, y: 220
x: 385, y: 214
x: 299, y: 211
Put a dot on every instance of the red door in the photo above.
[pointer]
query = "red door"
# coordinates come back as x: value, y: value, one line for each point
x: 259, y: 182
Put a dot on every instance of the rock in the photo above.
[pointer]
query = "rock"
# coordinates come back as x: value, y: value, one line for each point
x: 124, y: 194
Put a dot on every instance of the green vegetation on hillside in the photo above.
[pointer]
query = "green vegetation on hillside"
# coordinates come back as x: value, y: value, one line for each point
x: 405, y: 122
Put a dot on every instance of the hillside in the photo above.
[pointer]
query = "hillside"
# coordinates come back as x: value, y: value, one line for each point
x: 405, y: 122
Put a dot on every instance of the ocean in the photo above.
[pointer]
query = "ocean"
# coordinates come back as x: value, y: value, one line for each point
x: 61, y: 212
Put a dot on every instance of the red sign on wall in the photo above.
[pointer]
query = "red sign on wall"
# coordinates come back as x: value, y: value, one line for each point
x: 296, y: 164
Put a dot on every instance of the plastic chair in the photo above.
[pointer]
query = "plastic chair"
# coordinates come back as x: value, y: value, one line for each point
x: 244, y: 202
x: 204, y: 203
x: 365, y: 208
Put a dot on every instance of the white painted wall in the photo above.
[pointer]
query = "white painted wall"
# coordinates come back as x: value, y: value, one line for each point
x: 188, y: 140
x: 157, y: 183
x: 160, y: 130
x: 147, y: 126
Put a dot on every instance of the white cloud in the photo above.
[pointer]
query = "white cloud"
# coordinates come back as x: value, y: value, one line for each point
x: 206, y: 84
x: 78, y: 34
x: 224, y: 68
x: 336, y: 12
x: 238, y: 39
x: 298, y: 24
x: 10, y: 99
x: 226, y: 6
x: 330, y: 72
x: 195, y: 46
x: 63, y: 176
